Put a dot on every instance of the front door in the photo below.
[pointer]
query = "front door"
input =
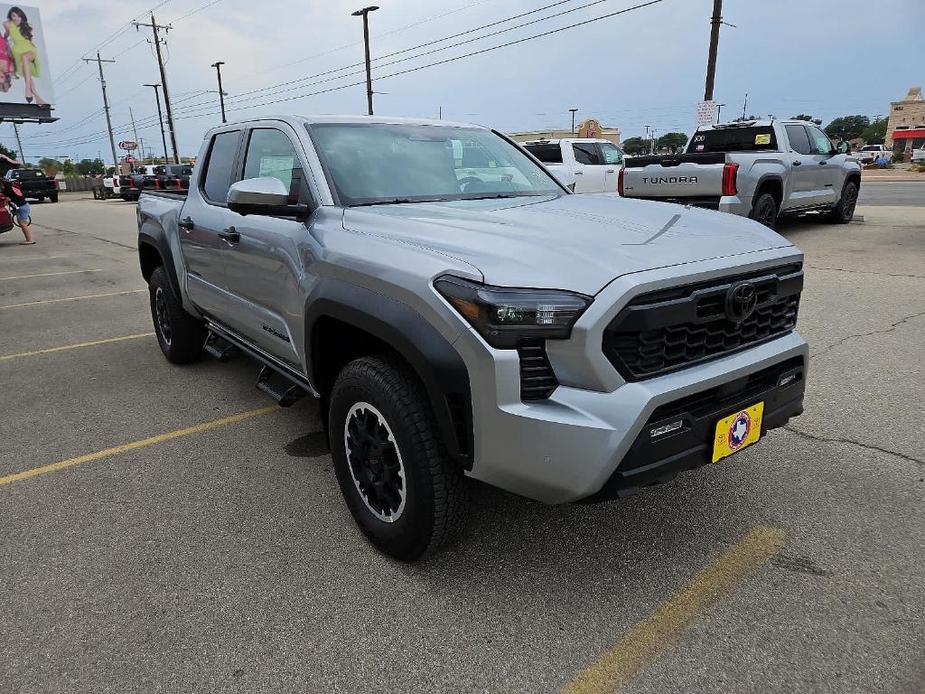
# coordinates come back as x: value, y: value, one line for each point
x: 613, y: 161
x: 828, y: 166
x: 202, y: 219
x: 589, y: 168
x: 264, y: 265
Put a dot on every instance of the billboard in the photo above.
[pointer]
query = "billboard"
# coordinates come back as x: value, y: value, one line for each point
x: 25, y: 78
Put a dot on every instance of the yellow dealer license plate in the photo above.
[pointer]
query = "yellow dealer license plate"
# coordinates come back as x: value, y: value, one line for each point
x: 735, y: 432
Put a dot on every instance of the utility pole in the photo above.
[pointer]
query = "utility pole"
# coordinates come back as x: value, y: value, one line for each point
x: 364, y: 13
x: 715, y: 21
x: 744, y: 105
x: 160, y: 117
x: 440, y: 113
x: 112, y: 143
x: 160, y: 63
x: 572, y: 111
x: 221, y: 94
x: 22, y: 157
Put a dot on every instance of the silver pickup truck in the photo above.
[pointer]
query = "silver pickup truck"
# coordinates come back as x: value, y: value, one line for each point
x: 759, y: 169
x: 457, y: 321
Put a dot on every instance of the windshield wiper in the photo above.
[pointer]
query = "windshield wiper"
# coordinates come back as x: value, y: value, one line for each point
x: 501, y: 196
x: 396, y: 201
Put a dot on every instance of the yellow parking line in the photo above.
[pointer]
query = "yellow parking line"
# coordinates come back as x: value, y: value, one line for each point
x: 131, y: 446
x: 73, y: 298
x: 49, y: 274
x: 49, y: 350
x: 638, y: 647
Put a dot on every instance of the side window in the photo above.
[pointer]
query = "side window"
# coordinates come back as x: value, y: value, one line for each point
x: 820, y: 141
x: 219, y: 167
x: 799, y: 141
x: 612, y: 153
x: 587, y: 153
x: 271, y: 153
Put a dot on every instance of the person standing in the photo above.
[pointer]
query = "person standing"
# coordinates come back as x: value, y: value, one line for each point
x: 13, y: 191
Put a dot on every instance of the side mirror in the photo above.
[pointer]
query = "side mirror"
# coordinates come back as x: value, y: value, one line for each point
x: 843, y: 147
x: 564, y: 176
x: 257, y: 195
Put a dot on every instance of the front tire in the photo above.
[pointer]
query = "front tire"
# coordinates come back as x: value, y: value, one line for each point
x: 764, y: 210
x: 843, y: 212
x: 180, y: 335
x: 403, y: 491
x: 53, y: 197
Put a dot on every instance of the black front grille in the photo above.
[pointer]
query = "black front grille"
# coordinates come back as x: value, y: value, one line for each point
x: 537, y: 379
x: 670, y: 329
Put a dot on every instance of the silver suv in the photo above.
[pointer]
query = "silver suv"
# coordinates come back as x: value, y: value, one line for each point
x: 460, y: 320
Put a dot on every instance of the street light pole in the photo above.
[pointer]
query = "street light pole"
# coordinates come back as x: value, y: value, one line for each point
x: 572, y: 111
x: 160, y: 118
x: 364, y: 13
x: 221, y: 94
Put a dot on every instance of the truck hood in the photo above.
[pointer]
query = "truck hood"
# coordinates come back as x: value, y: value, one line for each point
x: 575, y: 242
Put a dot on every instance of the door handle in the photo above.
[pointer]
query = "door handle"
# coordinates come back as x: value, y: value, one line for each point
x: 230, y: 236
x: 797, y: 163
x: 186, y: 224
x: 823, y: 163
x: 579, y: 173
x: 609, y: 170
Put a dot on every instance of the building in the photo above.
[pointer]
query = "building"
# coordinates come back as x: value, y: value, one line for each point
x: 588, y: 128
x: 905, y: 128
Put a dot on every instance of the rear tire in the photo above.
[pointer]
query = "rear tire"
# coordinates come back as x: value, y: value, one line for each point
x: 53, y: 197
x: 764, y: 210
x: 403, y: 491
x: 843, y: 212
x: 180, y: 335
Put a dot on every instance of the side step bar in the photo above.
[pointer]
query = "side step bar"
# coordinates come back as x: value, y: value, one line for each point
x: 278, y: 387
x: 219, y: 347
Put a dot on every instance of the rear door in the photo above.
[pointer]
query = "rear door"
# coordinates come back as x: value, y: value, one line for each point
x: 613, y: 160
x: 589, y: 168
x: 203, y: 218
x: 828, y: 166
x: 264, y: 266
x: 804, y: 174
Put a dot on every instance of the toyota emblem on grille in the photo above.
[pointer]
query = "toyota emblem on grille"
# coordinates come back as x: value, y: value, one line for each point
x: 741, y: 301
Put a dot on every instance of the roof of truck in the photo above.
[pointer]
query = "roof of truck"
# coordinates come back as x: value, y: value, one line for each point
x: 384, y: 120
x: 762, y: 122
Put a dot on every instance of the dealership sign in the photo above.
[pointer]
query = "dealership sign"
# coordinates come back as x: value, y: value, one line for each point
x: 128, y: 145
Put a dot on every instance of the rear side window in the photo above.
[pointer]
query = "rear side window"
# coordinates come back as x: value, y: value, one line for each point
x: 587, y: 153
x: 799, y: 141
x: 219, y: 167
x: 271, y: 153
x: 734, y: 139
x: 548, y: 154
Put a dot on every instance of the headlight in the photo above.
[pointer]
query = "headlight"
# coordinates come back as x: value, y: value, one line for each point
x: 506, y: 317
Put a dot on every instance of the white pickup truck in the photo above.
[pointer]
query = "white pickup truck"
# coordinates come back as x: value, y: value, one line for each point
x: 593, y: 163
x: 868, y: 154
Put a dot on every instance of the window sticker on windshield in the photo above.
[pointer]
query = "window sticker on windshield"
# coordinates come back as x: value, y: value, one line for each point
x: 763, y: 139
x: 699, y: 148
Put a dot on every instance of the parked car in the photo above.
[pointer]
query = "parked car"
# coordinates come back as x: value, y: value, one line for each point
x: 868, y: 154
x: 492, y: 326
x: 34, y: 183
x: 593, y: 163
x: 759, y: 169
x: 918, y: 155
x: 131, y: 185
x: 6, y: 218
x: 171, y: 177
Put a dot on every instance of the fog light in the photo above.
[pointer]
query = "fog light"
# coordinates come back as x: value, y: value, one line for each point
x: 666, y: 428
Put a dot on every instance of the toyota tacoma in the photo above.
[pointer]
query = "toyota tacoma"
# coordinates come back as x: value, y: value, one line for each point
x: 458, y: 321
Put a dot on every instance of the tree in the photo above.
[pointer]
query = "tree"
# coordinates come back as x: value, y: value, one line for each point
x: 744, y: 118
x: 875, y: 133
x: 9, y: 153
x: 68, y: 168
x: 635, y: 145
x: 49, y: 166
x: 672, y: 141
x: 847, y: 127
x: 88, y: 167
x: 811, y: 119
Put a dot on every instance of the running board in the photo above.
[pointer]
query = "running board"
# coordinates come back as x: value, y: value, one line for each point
x: 219, y: 347
x: 278, y: 387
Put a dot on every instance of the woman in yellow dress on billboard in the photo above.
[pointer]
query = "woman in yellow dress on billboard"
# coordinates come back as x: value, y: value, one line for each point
x: 18, y: 33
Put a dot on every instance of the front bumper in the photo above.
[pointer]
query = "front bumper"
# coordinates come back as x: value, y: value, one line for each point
x: 582, y: 443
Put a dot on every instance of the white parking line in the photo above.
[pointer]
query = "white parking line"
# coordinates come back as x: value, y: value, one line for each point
x: 32, y: 257
x: 72, y: 298
x: 49, y: 274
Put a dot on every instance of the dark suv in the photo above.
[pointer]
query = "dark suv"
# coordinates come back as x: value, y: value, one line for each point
x: 34, y: 183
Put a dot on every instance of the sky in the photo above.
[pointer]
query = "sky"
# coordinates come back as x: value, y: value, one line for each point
x: 643, y: 67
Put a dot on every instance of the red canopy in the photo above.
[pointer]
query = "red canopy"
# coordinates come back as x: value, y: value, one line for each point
x: 908, y: 134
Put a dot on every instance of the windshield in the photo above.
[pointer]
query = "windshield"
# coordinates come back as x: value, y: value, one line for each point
x: 734, y: 139
x: 371, y: 164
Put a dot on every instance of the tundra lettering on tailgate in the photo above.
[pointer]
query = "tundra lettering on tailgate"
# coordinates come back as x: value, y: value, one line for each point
x: 669, y: 179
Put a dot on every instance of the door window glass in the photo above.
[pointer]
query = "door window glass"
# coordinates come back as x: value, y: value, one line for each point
x: 799, y: 142
x: 820, y: 141
x: 271, y: 153
x: 587, y: 153
x: 219, y: 168
x: 612, y: 153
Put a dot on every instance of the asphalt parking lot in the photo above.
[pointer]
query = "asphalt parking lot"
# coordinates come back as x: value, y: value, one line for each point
x: 163, y: 529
